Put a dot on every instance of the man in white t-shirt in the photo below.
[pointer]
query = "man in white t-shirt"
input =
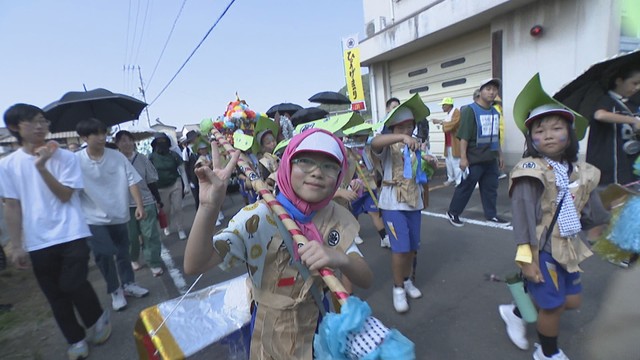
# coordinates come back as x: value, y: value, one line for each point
x: 39, y: 184
x: 109, y: 178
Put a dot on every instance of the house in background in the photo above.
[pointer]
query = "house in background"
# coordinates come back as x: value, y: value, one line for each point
x: 445, y: 48
x: 9, y: 143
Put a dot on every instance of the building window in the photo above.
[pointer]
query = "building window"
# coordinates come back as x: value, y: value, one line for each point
x: 420, y: 89
x: 418, y: 72
x: 453, y: 62
x: 454, y: 82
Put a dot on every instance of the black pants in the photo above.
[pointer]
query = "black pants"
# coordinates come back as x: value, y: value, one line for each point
x: 61, y: 271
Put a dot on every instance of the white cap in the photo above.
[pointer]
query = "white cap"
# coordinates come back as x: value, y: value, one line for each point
x: 497, y: 82
x: 321, y: 142
x: 399, y: 116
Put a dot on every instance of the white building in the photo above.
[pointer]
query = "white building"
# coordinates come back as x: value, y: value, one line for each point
x: 442, y: 48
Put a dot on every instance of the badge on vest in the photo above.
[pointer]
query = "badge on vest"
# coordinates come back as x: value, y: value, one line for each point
x: 334, y: 237
x: 529, y: 165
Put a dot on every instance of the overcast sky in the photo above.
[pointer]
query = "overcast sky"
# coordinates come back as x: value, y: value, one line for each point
x: 268, y: 51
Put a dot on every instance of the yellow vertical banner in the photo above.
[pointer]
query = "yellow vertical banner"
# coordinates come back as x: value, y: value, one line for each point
x: 352, y: 73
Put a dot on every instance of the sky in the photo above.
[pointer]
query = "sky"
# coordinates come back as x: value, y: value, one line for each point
x: 268, y: 51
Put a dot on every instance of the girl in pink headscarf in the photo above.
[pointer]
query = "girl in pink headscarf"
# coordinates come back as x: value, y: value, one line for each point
x: 287, y: 314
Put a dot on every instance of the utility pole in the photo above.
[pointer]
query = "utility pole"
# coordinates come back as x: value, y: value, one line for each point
x: 144, y: 97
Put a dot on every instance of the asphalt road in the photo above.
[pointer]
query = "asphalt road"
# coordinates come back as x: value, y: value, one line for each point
x: 457, y: 317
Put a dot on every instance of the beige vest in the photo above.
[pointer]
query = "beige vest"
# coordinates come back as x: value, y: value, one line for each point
x: 407, y: 191
x: 584, y: 179
x: 287, y: 314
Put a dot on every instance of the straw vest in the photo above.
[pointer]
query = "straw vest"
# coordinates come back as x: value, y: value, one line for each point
x: 407, y: 191
x: 583, y: 180
x: 287, y: 315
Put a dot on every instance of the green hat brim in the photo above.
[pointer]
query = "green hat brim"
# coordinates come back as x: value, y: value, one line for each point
x: 333, y: 124
x: 362, y: 129
x: 416, y: 105
x: 532, y: 96
x: 242, y: 141
x: 281, y: 145
x: 263, y: 123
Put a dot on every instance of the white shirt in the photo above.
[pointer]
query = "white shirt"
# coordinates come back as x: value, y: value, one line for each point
x: 46, y: 220
x: 105, y: 198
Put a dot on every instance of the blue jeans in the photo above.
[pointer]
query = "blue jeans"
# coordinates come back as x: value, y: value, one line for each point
x: 109, y: 241
x: 486, y: 174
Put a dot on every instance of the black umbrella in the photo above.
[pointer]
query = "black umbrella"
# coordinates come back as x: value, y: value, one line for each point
x: 330, y: 97
x: 102, y: 104
x: 307, y: 115
x: 582, y: 94
x: 283, y: 108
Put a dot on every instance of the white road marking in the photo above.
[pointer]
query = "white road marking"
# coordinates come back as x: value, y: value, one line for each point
x: 469, y: 221
x: 174, y: 272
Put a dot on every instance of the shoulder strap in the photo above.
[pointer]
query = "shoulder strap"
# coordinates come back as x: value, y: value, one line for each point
x: 304, y: 272
x: 553, y: 223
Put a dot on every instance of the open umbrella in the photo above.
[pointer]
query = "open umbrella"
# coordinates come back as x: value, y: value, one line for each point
x: 307, y: 114
x: 582, y: 93
x: 330, y: 97
x: 283, y: 108
x: 102, y: 104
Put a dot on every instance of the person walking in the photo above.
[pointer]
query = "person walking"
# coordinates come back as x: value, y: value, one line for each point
x: 146, y: 228
x: 450, y: 125
x: 172, y: 182
x: 480, y: 155
x: 401, y: 198
x: 109, y: 181
x: 39, y: 184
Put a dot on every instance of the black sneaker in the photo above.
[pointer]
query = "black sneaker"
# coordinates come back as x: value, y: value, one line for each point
x: 454, y: 220
x: 499, y: 221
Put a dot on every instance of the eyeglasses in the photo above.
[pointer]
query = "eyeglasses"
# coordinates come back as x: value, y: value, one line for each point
x: 307, y: 165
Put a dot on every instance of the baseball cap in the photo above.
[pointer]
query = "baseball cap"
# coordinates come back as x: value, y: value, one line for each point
x: 495, y: 81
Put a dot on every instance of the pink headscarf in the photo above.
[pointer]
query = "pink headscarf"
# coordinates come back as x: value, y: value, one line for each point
x: 314, y: 140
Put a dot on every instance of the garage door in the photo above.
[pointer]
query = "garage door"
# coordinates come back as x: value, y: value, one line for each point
x: 453, y: 68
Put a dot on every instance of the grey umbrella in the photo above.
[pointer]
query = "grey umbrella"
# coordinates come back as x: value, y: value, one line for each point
x: 75, y: 106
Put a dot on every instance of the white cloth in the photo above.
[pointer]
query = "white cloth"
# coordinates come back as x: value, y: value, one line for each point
x: 568, y: 220
x: 105, y: 198
x: 46, y: 221
x: 454, y: 173
x: 148, y: 173
x: 387, y: 200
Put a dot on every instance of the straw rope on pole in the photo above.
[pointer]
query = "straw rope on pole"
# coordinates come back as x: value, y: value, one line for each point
x: 365, y: 179
x: 260, y: 186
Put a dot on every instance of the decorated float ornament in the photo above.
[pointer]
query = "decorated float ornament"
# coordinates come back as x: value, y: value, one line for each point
x: 239, y: 113
x: 334, y: 124
x: 242, y: 141
x: 532, y: 97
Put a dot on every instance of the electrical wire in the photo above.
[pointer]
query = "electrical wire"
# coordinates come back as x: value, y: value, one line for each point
x: 144, y: 24
x: 135, y: 33
x: 193, y: 52
x: 166, y: 43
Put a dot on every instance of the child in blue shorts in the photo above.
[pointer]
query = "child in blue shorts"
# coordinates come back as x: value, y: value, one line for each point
x: 550, y: 189
x: 400, y: 198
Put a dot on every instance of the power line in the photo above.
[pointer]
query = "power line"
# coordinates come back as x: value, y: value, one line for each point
x: 135, y: 31
x: 194, y: 51
x: 166, y: 43
x: 144, y: 24
x: 126, y: 47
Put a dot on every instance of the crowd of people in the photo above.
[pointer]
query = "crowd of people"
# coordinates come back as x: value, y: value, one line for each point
x: 58, y: 208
